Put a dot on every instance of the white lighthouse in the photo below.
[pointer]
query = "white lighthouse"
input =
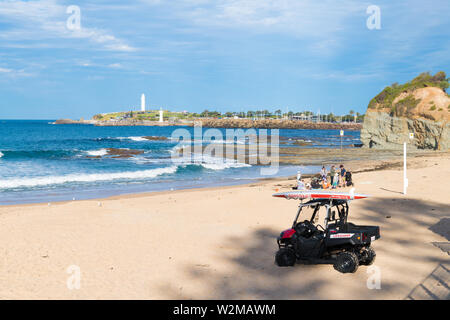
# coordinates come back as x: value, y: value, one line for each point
x: 161, y: 118
x: 143, y: 102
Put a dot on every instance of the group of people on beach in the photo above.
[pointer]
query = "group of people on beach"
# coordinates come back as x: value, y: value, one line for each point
x: 339, y: 177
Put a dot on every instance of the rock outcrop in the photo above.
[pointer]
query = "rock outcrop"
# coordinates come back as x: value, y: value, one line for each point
x: 70, y: 121
x: 380, y: 130
x: 417, y: 107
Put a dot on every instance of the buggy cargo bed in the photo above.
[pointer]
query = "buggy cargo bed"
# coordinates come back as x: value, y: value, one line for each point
x: 370, y: 231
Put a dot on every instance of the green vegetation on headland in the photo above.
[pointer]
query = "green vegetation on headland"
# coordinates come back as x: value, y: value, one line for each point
x: 153, y: 115
x: 386, y: 98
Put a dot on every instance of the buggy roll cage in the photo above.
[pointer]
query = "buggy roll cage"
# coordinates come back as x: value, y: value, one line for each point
x: 341, y: 206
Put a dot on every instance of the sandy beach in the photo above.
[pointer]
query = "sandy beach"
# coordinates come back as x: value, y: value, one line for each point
x: 219, y: 243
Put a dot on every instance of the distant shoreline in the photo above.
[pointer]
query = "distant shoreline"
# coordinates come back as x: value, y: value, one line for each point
x: 223, y: 123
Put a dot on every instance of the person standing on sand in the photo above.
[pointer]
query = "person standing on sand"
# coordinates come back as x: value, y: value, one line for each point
x: 342, y: 176
x: 299, y: 176
x: 335, y: 180
x: 323, y: 173
x: 332, y: 173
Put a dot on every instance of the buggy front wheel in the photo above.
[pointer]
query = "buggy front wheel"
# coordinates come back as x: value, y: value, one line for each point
x: 285, y: 257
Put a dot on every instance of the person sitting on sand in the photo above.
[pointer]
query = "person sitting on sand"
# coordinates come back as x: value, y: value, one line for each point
x: 300, y: 182
x: 325, y: 184
x: 301, y: 185
x: 307, y: 185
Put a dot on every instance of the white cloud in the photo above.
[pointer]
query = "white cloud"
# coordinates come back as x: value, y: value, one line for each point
x: 5, y: 70
x: 344, y: 76
x: 115, y: 65
x: 304, y: 18
x: 322, y: 26
x: 46, y: 20
x: 14, y: 73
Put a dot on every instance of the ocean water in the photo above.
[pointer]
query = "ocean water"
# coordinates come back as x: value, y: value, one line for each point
x: 43, y: 162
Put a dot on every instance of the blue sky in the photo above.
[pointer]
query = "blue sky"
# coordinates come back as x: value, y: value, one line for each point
x: 226, y: 55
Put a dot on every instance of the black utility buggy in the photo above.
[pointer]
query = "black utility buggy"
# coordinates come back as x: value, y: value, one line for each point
x: 338, y: 242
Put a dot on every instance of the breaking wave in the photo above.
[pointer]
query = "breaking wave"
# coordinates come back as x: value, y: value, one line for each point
x: 136, y: 139
x: 97, y: 153
x: 205, y: 161
x: 93, y: 177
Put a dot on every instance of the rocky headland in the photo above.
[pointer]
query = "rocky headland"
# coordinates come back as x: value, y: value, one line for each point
x: 421, y: 107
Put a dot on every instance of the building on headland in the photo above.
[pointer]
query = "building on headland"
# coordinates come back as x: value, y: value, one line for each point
x: 161, y: 118
x: 143, y: 102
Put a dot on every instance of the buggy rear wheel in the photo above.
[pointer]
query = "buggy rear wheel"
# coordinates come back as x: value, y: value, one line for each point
x: 346, y: 262
x: 285, y: 257
x: 368, y: 257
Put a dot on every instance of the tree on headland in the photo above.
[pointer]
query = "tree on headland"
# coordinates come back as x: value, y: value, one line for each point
x: 330, y: 117
x: 278, y: 113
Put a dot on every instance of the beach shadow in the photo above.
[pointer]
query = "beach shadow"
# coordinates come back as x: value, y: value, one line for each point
x: 250, y: 272
x: 434, y: 287
x: 442, y: 228
x: 409, y: 219
x: 253, y: 273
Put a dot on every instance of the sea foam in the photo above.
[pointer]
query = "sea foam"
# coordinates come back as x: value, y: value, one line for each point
x: 206, y: 161
x: 92, y: 177
x: 97, y: 153
x: 209, y: 162
x: 136, y: 139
